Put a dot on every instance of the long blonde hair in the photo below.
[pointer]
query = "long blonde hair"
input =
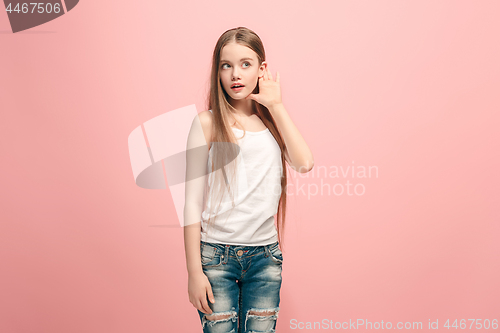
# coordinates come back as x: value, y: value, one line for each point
x: 223, y: 139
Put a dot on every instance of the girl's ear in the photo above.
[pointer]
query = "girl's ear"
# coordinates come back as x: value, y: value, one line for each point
x: 262, y: 68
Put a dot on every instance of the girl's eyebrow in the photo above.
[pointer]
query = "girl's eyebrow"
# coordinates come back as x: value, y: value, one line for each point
x: 240, y: 59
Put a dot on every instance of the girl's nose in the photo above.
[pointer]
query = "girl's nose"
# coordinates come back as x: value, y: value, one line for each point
x: 236, y: 75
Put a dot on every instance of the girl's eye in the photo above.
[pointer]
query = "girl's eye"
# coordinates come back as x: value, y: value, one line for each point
x: 245, y: 63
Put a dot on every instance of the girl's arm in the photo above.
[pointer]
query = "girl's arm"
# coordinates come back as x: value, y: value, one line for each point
x: 298, y: 155
x: 196, y: 162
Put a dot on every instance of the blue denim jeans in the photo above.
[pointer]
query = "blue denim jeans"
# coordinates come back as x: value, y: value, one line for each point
x: 246, y: 283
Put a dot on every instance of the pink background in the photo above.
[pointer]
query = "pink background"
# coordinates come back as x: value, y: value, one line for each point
x: 411, y: 87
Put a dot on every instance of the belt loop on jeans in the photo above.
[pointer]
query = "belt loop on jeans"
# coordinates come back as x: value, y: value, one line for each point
x: 267, y: 252
x: 226, y: 256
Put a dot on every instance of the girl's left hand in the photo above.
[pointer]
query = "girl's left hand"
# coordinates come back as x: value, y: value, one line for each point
x: 269, y: 90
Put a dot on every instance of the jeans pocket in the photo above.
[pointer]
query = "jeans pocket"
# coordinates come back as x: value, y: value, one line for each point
x: 210, y: 256
x: 276, y: 253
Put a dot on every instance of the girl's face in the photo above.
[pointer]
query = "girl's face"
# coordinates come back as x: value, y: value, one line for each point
x: 239, y: 65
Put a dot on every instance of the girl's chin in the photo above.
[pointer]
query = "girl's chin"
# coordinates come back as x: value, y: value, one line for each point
x: 239, y: 97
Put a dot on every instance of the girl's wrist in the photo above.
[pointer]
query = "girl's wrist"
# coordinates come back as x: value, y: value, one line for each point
x: 195, y: 269
x: 276, y: 107
x: 195, y: 272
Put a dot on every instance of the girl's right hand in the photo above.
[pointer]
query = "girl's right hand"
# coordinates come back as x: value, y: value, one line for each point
x: 198, y: 289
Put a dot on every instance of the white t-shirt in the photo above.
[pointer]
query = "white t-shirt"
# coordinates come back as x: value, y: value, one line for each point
x: 256, y: 198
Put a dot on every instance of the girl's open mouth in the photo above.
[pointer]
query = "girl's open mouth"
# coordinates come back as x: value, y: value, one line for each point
x: 237, y: 87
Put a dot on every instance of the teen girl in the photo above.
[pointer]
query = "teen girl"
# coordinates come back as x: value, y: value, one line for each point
x: 233, y: 254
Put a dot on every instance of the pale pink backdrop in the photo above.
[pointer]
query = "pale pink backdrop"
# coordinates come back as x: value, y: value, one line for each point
x: 410, y: 87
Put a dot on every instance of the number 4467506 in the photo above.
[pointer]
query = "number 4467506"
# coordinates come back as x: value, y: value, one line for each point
x: 39, y: 6
x: 486, y: 324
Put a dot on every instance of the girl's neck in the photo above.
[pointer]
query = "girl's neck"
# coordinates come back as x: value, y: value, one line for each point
x: 244, y: 107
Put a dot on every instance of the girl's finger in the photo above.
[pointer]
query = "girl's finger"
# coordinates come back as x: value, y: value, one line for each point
x: 204, y: 305
x: 197, y: 305
x: 270, y: 75
x: 278, y: 77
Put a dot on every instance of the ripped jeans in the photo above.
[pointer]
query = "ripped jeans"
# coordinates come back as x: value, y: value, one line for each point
x: 246, y: 283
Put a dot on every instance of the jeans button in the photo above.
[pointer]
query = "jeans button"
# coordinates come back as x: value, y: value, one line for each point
x: 240, y: 252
